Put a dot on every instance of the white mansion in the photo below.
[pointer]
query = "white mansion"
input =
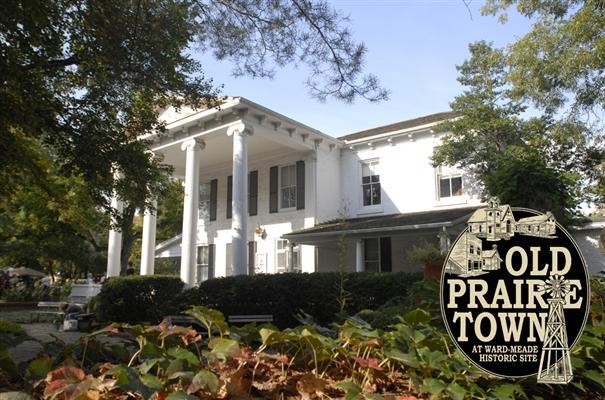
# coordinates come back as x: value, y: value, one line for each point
x: 267, y: 194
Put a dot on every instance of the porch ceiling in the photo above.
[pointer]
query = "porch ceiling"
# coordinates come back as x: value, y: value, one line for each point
x: 382, y: 224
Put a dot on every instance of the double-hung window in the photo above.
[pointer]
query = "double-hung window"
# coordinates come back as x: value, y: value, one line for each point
x: 284, y: 257
x: 204, y: 202
x: 370, y: 183
x: 450, y: 182
x: 287, y: 186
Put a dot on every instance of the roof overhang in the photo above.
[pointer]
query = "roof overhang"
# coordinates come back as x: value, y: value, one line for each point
x: 407, y: 223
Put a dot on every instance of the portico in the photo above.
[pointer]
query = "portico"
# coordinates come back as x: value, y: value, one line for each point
x: 206, y: 146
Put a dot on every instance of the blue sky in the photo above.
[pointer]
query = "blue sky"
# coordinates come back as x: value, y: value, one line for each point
x: 413, y: 47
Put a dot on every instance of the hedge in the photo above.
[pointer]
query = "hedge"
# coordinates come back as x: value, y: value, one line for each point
x: 137, y: 298
x: 284, y: 295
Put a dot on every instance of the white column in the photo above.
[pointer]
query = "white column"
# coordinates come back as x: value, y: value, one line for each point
x: 114, y: 245
x: 148, y: 246
x: 359, y: 266
x: 193, y: 150
x: 239, y: 208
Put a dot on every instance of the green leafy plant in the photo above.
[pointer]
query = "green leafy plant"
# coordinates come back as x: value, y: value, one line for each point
x: 426, y: 253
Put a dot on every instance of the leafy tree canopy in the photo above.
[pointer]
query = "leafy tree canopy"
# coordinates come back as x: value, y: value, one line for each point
x: 47, y: 221
x: 560, y: 63
x: 541, y: 163
x: 87, y: 77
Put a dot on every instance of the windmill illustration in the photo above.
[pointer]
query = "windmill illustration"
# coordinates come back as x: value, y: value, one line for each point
x: 555, y: 363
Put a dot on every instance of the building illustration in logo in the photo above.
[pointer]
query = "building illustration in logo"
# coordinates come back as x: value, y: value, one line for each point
x: 469, y: 258
x: 493, y: 222
x: 496, y: 222
x: 541, y: 226
x: 555, y: 362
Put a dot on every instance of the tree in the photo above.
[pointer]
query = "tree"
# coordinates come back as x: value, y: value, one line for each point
x: 538, y: 163
x: 87, y: 78
x: 561, y: 61
x: 47, y: 220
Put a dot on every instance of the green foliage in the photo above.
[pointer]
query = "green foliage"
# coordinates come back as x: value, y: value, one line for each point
x: 47, y: 219
x: 423, y: 294
x: 561, y: 60
x: 38, y: 293
x: 137, y: 298
x: 284, y: 295
x: 509, y: 154
x: 426, y: 253
x: 412, y: 357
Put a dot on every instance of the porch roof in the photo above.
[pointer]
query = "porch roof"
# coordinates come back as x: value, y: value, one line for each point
x: 392, y: 223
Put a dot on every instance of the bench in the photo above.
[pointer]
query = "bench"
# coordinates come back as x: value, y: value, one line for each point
x: 246, y: 319
x: 185, y: 320
x: 46, y: 309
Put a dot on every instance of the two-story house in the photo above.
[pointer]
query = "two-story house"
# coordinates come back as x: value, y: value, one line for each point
x: 267, y: 194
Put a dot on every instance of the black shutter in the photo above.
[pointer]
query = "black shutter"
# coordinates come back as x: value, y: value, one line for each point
x: 273, y: 184
x: 385, y: 254
x: 251, y: 256
x: 213, y: 197
x: 229, y: 195
x: 210, y: 261
x: 253, y: 193
x: 300, y: 185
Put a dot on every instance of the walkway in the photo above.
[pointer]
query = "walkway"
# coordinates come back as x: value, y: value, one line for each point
x: 42, y: 331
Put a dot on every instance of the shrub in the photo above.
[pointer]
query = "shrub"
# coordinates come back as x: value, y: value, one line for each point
x: 137, y: 298
x: 284, y: 295
x: 38, y: 293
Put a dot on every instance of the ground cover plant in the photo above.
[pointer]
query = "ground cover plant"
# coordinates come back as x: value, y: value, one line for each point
x: 413, y: 357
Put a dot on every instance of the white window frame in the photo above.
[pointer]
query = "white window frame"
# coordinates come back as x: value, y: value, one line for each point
x: 290, y: 187
x: 372, y: 164
x: 449, y: 173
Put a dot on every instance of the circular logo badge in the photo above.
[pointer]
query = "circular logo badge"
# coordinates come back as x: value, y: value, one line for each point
x: 515, y: 293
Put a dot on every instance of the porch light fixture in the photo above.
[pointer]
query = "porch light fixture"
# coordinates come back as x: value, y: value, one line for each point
x: 261, y: 232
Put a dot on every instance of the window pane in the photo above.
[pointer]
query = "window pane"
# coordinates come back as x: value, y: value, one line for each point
x: 444, y: 187
x: 457, y: 186
x: 202, y: 255
x: 281, y: 262
x: 375, y: 178
x: 367, y: 195
x: 204, y: 202
x: 376, y: 193
x: 365, y: 179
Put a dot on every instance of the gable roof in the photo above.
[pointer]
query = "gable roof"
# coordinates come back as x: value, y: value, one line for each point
x: 537, y: 219
x: 481, y: 214
x: 397, y: 126
x: 491, y: 253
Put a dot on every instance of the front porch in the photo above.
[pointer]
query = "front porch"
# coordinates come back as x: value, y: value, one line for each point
x: 233, y: 161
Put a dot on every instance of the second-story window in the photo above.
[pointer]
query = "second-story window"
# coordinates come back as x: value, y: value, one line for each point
x: 370, y: 183
x: 204, y: 202
x: 288, y: 186
x: 450, y: 182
